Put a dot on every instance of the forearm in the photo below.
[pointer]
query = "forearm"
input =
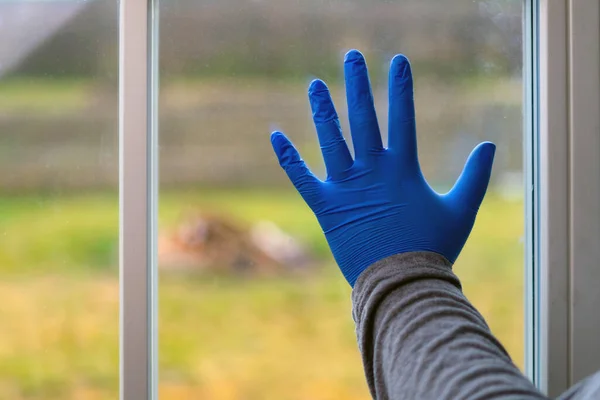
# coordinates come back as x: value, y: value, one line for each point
x: 420, y: 338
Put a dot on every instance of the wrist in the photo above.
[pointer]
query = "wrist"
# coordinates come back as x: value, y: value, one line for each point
x: 355, y: 250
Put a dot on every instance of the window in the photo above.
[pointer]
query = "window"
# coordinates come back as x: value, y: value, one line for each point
x: 59, y: 200
x: 226, y: 286
x: 234, y: 322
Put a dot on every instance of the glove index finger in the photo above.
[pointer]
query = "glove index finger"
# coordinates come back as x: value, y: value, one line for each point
x: 301, y: 177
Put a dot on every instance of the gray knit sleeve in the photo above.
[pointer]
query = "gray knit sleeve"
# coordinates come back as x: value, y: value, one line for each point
x: 420, y: 338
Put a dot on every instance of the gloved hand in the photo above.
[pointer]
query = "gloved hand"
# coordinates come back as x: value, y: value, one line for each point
x: 379, y: 204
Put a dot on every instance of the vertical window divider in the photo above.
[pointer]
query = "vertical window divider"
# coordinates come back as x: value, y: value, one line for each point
x: 138, y: 196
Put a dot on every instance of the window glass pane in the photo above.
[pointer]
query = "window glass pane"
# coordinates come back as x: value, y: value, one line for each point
x: 251, y: 302
x: 58, y: 200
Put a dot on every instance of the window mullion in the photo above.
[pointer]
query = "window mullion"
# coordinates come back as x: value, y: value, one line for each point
x: 138, y: 189
x: 552, y: 319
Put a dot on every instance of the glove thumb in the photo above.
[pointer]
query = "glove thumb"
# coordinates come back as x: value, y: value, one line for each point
x: 472, y: 184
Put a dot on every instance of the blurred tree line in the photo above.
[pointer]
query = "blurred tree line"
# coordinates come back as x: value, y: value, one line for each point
x: 288, y: 38
x: 214, y: 122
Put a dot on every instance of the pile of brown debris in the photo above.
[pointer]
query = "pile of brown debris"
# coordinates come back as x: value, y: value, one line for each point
x: 212, y: 243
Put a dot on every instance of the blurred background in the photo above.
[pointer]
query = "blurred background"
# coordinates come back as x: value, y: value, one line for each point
x: 251, y: 302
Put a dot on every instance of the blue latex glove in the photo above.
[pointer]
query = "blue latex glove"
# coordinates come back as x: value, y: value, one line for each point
x: 379, y: 204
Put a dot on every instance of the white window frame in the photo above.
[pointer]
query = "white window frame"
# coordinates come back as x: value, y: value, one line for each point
x: 562, y: 166
x: 565, y: 175
x: 138, y: 197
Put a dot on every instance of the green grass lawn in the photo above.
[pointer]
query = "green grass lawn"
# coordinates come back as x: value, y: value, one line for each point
x: 220, y: 338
